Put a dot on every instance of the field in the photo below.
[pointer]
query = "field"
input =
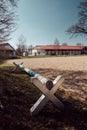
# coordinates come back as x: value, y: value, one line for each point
x: 74, y: 63
x: 19, y: 94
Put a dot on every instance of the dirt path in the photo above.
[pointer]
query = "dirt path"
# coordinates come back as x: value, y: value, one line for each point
x: 61, y: 63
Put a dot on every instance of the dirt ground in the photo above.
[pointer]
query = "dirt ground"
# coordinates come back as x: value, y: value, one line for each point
x: 61, y: 63
x: 73, y: 69
x: 72, y: 92
x: 20, y: 94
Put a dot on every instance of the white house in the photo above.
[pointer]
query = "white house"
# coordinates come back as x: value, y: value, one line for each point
x: 37, y: 51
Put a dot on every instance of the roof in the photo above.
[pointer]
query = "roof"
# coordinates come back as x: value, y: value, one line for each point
x: 57, y: 47
x: 6, y: 46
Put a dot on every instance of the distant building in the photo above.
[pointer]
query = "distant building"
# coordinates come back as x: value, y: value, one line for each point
x: 58, y: 50
x: 8, y: 50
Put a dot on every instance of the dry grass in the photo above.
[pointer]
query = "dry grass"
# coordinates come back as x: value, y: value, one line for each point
x: 61, y: 63
x: 72, y: 68
x: 20, y: 94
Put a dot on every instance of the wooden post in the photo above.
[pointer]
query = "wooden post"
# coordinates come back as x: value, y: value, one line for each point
x: 46, y: 86
x: 48, y: 95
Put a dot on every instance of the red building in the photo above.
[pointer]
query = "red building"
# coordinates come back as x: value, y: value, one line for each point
x: 59, y: 50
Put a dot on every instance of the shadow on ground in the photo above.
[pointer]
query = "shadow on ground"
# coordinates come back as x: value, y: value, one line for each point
x: 18, y: 95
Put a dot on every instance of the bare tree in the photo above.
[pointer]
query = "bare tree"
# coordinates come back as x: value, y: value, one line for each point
x: 21, y: 46
x: 79, y: 44
x: 30, y: 48
x: 64, y: 44
x: 7, y: 24
x: 81, y: 26
x: 56, y: 42
x: 7, y: 18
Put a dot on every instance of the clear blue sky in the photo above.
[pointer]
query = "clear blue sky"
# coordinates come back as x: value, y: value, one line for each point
x: 42, y: 21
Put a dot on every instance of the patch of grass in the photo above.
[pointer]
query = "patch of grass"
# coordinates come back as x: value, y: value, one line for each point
x: 19, y: 94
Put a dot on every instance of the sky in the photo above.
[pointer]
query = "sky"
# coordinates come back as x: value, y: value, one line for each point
x: 42, y: 21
